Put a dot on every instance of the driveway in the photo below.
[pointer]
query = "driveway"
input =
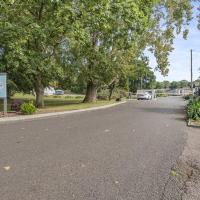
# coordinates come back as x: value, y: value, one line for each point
x: 121, y: 153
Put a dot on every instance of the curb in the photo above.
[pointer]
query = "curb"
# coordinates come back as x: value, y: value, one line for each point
x: 193, y: 124
x: 54, y: 114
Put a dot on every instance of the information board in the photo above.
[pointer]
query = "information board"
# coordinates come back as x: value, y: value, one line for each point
x: 3, y: 85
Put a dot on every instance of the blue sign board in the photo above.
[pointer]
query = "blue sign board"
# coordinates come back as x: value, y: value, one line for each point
x: 3, y: 85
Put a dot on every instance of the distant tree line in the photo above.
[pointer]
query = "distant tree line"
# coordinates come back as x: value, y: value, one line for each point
x: 173, y: 84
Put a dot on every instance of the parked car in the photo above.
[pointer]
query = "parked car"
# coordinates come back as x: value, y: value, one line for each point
x: 144, y: 96
x: 49, y: 91
x: 59, y: 92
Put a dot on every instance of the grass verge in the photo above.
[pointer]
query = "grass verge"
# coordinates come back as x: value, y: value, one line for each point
x: 58, y: 103
x: 73, y: 106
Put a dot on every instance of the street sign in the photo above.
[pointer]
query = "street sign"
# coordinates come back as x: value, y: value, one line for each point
x: 3, y: 90
x: 3, y: 86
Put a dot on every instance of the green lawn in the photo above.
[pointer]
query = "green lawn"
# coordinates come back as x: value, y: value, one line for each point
x: 57, y: 103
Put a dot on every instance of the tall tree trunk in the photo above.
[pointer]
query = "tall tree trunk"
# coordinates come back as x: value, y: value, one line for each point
x: 111, y: 89
x: 91, y: 92
x: 39, y: 90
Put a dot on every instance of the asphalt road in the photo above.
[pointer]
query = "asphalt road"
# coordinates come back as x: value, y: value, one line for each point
x: 121, y: 153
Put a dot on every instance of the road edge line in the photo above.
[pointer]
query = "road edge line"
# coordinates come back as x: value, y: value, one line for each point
x: 54, y: 114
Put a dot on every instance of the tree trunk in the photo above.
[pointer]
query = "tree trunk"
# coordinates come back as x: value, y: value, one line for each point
x: 111, y: 89
x: 39, y: 90
x: 110, y: 94
x: 91, y: 92
x: 40, y: 97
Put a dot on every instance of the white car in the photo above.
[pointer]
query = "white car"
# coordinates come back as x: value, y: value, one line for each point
x: 143, y: 96
x: 59, y: 92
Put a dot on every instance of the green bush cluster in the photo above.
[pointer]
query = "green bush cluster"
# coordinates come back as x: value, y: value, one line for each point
x: 103, y: 94
x: 193, y: 108
x: 188, y: 97
x: 161, y: 95
x: 117, y: 93
x: 28, y: 108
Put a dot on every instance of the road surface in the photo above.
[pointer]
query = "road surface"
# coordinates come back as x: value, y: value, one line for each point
x: 121, y: 153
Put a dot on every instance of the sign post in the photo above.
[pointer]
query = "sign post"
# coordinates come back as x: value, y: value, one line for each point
x: 3, y: 90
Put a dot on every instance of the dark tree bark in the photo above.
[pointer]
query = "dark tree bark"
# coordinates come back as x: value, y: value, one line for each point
x: 91, y: 93
x: 39, y: 90
x: 40, y: 97
x: 111, y: 89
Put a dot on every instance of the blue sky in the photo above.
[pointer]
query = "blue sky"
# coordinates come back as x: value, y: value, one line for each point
x: 180, y: 57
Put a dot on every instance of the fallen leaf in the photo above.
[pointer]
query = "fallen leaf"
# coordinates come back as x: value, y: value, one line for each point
x: 82, y: 165
x: 116, y: 182
x: 7, y: 168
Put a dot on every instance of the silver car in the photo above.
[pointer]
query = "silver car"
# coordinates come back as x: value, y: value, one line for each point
x: 143, y: 96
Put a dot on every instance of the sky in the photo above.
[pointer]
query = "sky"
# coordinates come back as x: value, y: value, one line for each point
x: 180, y: 57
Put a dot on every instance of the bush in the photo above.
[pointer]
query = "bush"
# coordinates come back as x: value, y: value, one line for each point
x: 119, y: 99
x: 103, y: 94
x: 16, y: 105
x: 69, y: 97
x: 161, y: 95
x: 188, y: 97
x: 123, y: 94
x: 56, y: 96
x: 28, y: 108
x: 79, y: 97
x: 193, y: 109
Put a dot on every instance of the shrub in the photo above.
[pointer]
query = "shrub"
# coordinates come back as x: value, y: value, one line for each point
x: 193, y: 109
x: 16, y: 105
x: 79, y: 97
x: 123, y: 94
x: 69, y: 97
x: 99, y: 97
x: 56, y: 96
x: 119, y: 99
x: 161, y: 95
x: 28, y: 108
x: 188, y: 97
x: 103, y: 94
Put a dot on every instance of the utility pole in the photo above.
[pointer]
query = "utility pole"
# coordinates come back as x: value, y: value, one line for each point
x: 192, y: 71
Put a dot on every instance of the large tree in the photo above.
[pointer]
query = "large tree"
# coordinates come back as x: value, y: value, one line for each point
x: 31, y: 37
x: 108, y: 35
x: 141, y: 75
x: 95, y: 41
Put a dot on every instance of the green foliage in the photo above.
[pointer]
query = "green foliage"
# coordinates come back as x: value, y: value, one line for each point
x: 141, y: 75
x: 31, y: 35
x: 104, y: 94
x: 193, y: 109
x: 172, y: 85
x: 162, y: 95
x: 188, y: 97
x: 109, y: 38
x: 28, y: 108
x: 170, y: 18
x: 76, y: 42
